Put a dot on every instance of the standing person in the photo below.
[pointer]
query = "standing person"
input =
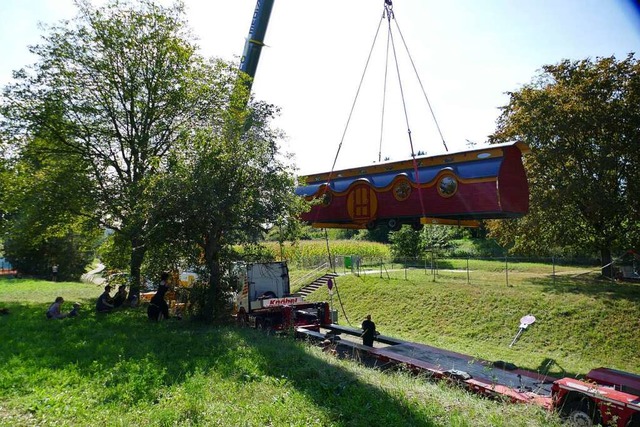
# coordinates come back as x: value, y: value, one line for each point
x: 158, y: 308
x: 368, y: 331
x: 55, y: 310
x: 54, y: 272
x: 104, y: 304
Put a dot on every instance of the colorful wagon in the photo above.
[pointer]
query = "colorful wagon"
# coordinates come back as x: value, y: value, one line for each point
x: 454, y: 188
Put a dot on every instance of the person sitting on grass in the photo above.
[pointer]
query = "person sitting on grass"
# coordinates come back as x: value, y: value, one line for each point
x: 120, y: 297
x: 104, y: 304
x: 55, y: 310
x: 75, y: 310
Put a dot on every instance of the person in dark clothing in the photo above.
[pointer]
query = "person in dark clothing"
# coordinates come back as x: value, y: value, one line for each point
x: 158, y: 308
x: 104, y: 303
x: 368, y: 331
x: 120, y: 297
x: 75, y: 310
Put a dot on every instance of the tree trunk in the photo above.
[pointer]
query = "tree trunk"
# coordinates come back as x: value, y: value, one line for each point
x: 213, y: 304
x: 607, y: 266
x: 138, y: 251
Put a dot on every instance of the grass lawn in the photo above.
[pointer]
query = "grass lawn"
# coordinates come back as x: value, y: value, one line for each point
x: 122, y: 370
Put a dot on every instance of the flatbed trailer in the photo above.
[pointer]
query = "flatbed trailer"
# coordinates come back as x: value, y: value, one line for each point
x: 479, y: 376
x: 606, y: 396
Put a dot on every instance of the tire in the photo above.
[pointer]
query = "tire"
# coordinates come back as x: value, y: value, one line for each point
x: 394, y: 224
x: 579, y: 413
x: 371, y: 225
x: 634, y: 421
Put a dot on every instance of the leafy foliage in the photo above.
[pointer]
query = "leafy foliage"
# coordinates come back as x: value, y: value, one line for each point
x: 410, y: 243
x: 111, y: 89
x: 47, y: 216
x: 582, y: 122
x: 225, y: 184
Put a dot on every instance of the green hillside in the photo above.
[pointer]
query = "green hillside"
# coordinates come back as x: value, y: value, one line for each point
x: 583, y: 322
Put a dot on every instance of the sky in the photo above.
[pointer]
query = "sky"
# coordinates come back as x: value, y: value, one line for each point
x: 467, y: 53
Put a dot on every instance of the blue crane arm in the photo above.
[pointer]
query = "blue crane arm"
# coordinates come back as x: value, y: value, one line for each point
x: 255, y: 39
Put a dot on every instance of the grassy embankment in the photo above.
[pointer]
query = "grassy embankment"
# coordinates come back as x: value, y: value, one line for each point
x: 120, y: 369
x: 583, y: 322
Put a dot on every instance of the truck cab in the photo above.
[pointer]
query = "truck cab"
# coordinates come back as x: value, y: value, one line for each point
x: 265, y: 301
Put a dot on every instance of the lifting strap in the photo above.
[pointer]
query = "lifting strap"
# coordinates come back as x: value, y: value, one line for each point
x: 388, y: 15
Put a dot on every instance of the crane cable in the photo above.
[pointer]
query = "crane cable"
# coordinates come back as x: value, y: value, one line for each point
x: 335, y: 282
x: 389, y: 15
x: 384, y: 91
x: 389, y: 8
x: 353, y: 105
x: 415, y: 70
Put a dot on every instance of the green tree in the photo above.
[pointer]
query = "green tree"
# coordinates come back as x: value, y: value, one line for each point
x: 226, y: 185
x: 119, y: 79
x: 582, y: 122
x: 42, y: 227
x: 406, y: 242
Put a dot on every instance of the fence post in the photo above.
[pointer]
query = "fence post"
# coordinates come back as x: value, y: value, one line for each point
x: 468, y: 280
x: 433, y: 268
x: 506, y: 268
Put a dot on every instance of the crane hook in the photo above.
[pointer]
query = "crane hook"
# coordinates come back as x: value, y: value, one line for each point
x: 388, y: 9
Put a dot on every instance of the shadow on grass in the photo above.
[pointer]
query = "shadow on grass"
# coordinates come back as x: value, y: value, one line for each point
x: 131, y: 358
x: 588, y: 285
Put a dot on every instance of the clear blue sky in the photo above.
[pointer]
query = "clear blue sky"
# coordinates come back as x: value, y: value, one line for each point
x: 468, y: 53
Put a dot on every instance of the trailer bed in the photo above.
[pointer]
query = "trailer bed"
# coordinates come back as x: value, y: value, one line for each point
x: 479, y: 376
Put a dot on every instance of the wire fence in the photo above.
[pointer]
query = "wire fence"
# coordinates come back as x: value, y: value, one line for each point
x: 505, y: 270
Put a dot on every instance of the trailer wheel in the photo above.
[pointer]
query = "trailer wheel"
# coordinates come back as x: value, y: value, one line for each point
x: 580, y: 413
x: 394, y: 224
x: 264, y: 325
x: 634, y: 421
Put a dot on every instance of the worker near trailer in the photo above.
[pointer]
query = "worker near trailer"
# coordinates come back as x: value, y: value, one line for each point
x: 368, y: 331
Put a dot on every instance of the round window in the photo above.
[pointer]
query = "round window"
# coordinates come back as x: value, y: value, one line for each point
x: 447, y: 186
x: 402, y: 190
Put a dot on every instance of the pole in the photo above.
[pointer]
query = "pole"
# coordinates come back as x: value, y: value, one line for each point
x: 468, y: 279
x: 506, y: 268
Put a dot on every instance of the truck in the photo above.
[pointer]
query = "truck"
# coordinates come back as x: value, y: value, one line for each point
x: 604, y: 396
x: 265, y: 300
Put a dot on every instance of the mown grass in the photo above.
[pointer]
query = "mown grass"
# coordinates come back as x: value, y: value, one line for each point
x: 121, y: 370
